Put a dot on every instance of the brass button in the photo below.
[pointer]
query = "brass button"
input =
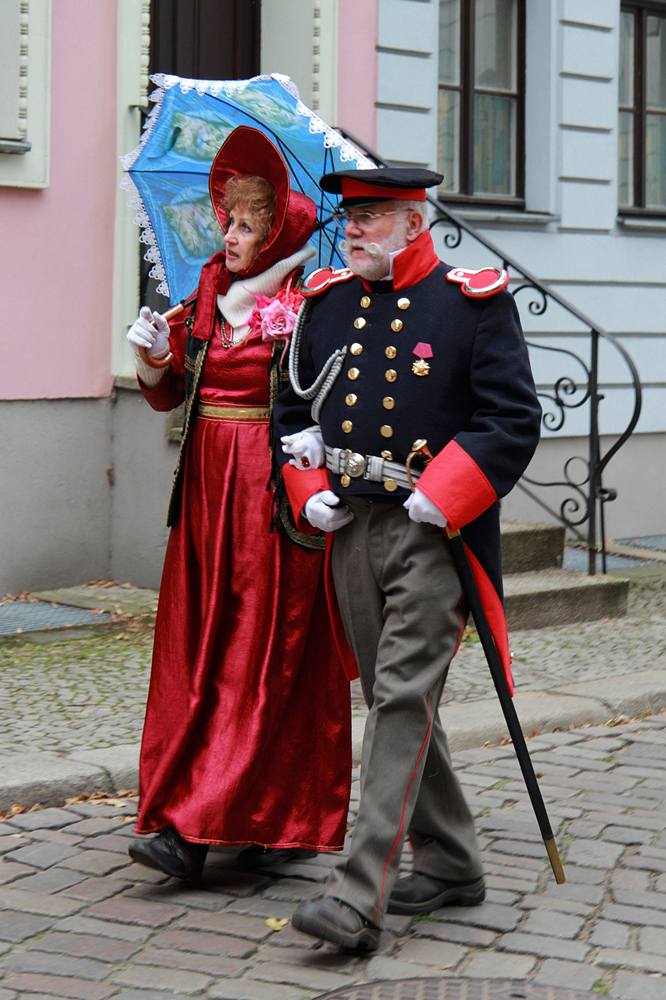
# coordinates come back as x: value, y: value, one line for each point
x: 403, y: 303
x: 384, y: 430
x: 390, y: 485
x: 365, y: 301
x: 388, y: 402
x: 359, y: 322
x: 347, y: 426
x: 396, y: 325
x: 387, y: 455
x: 353, y: 374
x: 390, y: 352
x: 356, y: 349
x: 391, y: 374
x: 345, y: 480
x: 351, y: 399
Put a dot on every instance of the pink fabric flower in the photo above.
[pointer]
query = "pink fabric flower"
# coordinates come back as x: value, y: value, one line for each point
x: 275, y: 317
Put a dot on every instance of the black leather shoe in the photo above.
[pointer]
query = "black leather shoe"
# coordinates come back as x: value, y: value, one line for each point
x: 332, y: 920
x: 421, y: 893
x: 255, y: 857
x: 171, y: 854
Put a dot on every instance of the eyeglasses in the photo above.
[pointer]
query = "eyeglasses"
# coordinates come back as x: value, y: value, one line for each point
x: 363, y: 219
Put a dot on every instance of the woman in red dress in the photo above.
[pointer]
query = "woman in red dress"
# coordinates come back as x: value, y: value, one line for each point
x: 247, y: 732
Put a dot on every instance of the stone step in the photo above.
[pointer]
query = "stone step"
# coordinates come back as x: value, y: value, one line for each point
x: 560, y: 597
x: 527, y: 546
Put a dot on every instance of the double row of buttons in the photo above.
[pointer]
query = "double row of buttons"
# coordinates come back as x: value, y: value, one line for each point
x: 390, y: 374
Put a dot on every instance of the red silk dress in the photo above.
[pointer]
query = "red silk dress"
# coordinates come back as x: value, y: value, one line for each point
x: 247, y: 731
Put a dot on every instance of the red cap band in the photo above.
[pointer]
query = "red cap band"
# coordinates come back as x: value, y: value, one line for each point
x: 358, y: 189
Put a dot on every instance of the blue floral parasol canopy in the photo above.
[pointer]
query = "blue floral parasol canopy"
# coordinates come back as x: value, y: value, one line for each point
x: 168, y: 170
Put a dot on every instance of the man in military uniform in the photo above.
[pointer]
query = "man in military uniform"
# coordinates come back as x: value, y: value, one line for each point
x: 396, y: 347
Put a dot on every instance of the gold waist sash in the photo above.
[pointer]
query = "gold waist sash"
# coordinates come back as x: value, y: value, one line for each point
x: 218, y: 411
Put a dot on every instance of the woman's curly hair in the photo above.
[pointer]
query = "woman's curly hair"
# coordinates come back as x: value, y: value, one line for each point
x: 255, y: 194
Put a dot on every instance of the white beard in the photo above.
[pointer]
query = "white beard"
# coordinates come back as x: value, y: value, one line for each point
x: 380, y: 264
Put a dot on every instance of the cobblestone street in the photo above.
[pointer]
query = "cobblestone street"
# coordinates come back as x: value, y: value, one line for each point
x: 78, y: 920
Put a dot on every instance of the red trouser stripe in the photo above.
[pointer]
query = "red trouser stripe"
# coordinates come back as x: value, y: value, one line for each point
x: 404, y: 806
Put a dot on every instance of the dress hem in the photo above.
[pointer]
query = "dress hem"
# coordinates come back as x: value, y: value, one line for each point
x: 304, y: 845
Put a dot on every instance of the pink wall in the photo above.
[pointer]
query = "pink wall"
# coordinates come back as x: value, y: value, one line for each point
x: 357, y: 68
x: 56, y: 247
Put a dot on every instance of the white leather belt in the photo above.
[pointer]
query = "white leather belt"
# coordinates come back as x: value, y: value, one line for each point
x: 344, y: 462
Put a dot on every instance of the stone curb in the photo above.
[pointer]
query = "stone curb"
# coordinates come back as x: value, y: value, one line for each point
x: 473, y: 723
x: 50, y: 778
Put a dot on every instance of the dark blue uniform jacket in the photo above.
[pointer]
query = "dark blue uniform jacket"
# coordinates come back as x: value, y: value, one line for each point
x: 426, y: 361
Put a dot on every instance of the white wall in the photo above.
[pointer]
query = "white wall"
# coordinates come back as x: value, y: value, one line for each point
x: 300, y: 38
x: 407, y: 82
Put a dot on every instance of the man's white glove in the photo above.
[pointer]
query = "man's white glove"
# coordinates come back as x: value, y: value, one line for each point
x: 142, y: 333
x: 422, y: 509
x: 307, y: 447
x: 324, y: 511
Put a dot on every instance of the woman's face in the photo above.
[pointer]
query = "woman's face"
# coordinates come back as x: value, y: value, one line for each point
x: 242, y: 239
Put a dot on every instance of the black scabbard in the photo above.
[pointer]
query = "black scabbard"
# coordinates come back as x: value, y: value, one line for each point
x: 506, y: 701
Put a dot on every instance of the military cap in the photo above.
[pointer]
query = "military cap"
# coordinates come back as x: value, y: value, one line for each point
x: 363, y: 187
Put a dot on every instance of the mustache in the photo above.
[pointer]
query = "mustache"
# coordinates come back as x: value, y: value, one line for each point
x: 372, y: 249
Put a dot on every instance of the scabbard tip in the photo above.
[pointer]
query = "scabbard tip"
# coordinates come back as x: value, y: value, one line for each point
x: 555, y: 862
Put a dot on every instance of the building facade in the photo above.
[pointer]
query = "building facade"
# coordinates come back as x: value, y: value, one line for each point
x: 548, y: 121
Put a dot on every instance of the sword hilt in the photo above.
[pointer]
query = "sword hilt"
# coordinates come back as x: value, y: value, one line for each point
x: 420, y: 450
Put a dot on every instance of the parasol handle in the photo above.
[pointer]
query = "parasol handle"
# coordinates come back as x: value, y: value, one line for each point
x: 166, y: 361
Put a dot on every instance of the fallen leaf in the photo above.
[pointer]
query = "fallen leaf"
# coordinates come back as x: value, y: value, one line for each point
x: 75, y: 799
x: 276, y: 924
x: 37, y: 806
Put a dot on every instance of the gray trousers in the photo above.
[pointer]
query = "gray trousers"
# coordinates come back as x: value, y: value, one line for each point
x: 399, y: 593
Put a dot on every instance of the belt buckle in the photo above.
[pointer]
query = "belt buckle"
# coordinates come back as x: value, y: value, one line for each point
x: 354, y: 464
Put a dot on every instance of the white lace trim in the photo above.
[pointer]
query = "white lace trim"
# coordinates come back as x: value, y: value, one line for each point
x: 333, y: 139
x: 164, y: 82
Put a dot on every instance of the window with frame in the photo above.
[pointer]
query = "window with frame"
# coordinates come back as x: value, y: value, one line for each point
x: 642, y: 108
x: 481, y: 114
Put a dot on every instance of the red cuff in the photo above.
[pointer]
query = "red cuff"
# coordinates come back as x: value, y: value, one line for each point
x: 457, y: 486
x: 301, y: 485
x: 166, y: 395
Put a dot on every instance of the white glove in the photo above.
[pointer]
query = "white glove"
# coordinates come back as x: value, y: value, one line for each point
x: 142, y: 333
x: 324, y: 511
x: 422, y: 509
x: 307, y: 447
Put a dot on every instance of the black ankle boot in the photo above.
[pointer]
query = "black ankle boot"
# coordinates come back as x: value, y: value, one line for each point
x: 171, y: 854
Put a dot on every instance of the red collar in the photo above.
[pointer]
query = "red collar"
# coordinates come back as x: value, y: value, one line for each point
x: 414, y: 263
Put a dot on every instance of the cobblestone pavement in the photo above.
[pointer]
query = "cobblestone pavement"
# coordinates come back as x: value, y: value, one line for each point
x: 78, y: 920
x: 65, y: 695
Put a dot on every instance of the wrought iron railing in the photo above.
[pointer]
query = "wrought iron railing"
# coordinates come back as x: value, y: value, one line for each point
x: 582, y: 496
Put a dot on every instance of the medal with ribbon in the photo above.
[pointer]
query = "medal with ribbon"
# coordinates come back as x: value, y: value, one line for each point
x: 422, y: 351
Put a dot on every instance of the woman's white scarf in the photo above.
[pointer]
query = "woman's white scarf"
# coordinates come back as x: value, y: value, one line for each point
x: 239, y: 302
